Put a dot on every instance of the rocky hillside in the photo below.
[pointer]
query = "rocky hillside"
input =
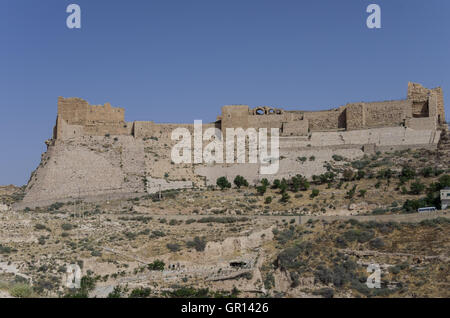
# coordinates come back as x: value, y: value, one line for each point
x: 332, y: 259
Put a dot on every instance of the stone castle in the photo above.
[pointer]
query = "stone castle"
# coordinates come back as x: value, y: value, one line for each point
x: 423, y: 109
x: 95, y: 153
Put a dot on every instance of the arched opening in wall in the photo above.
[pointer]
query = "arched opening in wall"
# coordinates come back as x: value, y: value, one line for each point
x: 259, y: 111
x: 420, y: 109
x: 271, y: 111
x: 439, y: 119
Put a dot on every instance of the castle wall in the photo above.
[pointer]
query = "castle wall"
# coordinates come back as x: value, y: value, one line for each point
x: 64, y: 131
x: 425, y: 101
x: 422, y: 110
x: 389, y: 113
x: 355, y: 116
x: 76, y: 117
x: 326, y: 120
x: 105, y: 114
x: 148, y: 129
x: 295, y: 128
x: 235, y: 116
x: 102, y: 129
x: 73, y: 110
x: 266, y: 121
x: 440, y: 105
x: 421, y: 123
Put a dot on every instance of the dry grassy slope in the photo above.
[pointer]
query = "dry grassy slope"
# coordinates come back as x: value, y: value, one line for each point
x: 10, y: 194
x: 414, y: 259
x: 42, y: 241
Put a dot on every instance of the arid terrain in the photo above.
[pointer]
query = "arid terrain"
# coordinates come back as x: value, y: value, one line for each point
x: 248, y: 241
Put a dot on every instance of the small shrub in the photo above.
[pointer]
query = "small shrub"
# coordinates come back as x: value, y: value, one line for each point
x: 337, y: 158
x: 157, y: 265
x: 376, y: 243
x: 140, y: 292
x: 314, y: 193
x: 67, y: 226
x: 173, y: 247
x: 198, y: 243
x: 348, y: 175
x: 269, y: 281
x: 285, y: 197
x: 157, y: 233
x: 325, y: 292
x: 261, y: 189
x: 240, y: 181
x: 117, y: 292
x: 417, y: 187
x: 223, y: 183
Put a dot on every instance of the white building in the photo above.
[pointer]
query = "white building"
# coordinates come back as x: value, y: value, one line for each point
x: 445, y: 198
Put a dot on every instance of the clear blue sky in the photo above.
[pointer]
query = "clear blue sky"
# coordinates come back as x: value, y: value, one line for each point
x: 176, y: 61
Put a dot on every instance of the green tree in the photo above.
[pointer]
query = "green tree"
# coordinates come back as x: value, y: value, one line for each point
x: 299, y: 182
x: 285, y: 197
x: 417, y: 187
x: 314, y: 193
x: 283, y: 185
x: 360, y: 174
x: 265, y: 182
x: 385, y: 174
x: 140, y: 292
x: 87, y: 283
x: 240, y: 181
x: 351, y: 192
x: 408, y: 173
x: 261, y: 189
x: 276, y: 184
x: 223, y: 183
x: 444, y: 181
x: 427, y: 172
x: 118, y: 292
